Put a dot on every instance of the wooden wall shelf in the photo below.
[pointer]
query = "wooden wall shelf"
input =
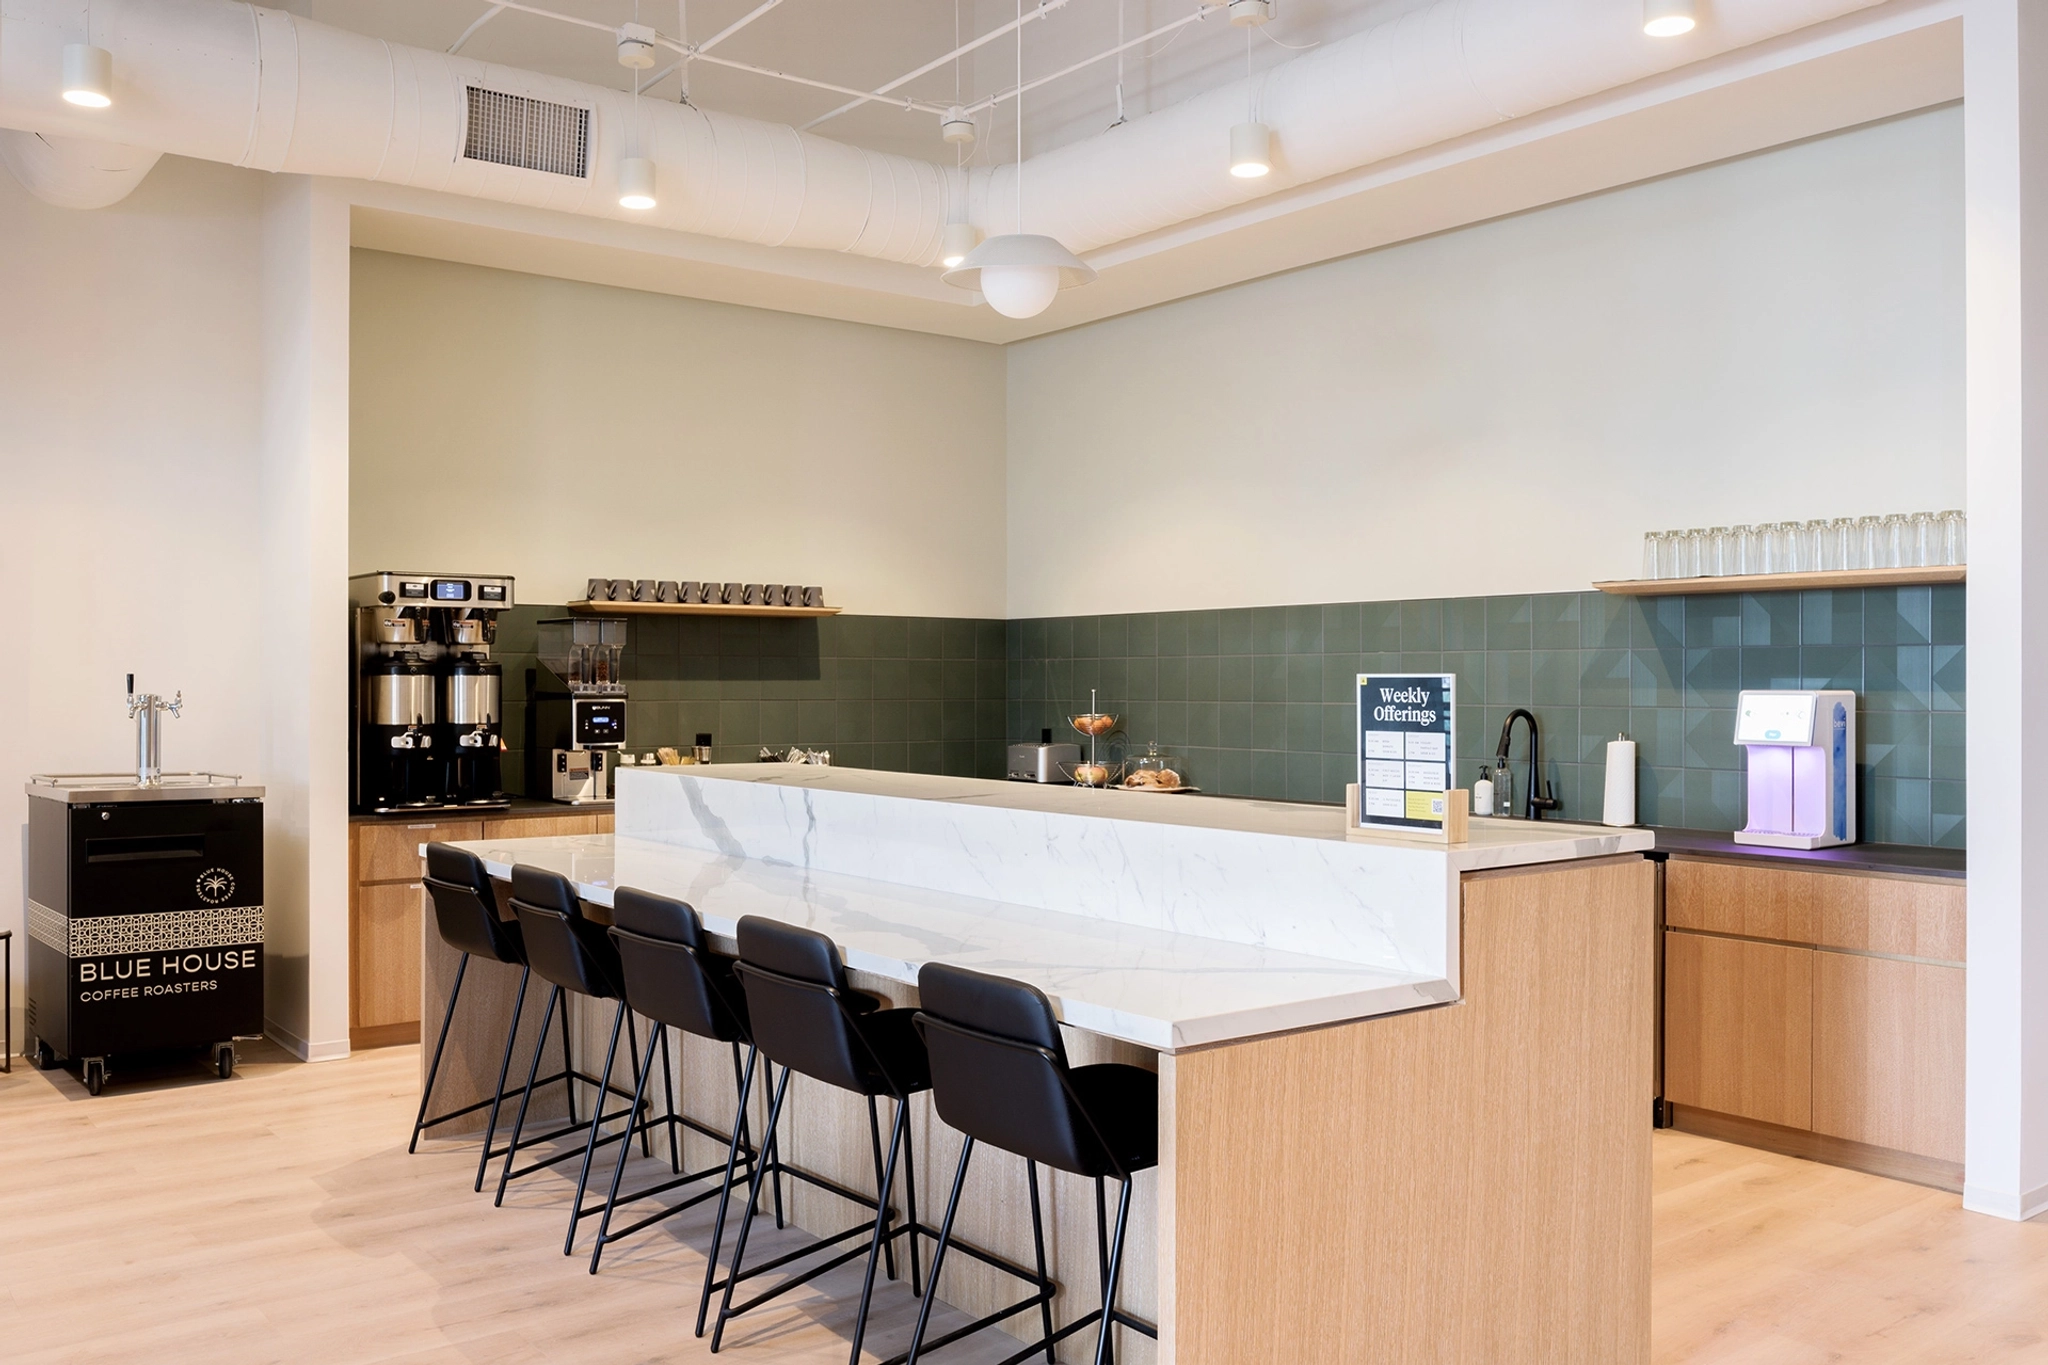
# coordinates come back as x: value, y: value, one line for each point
x: 1786, y: 582
x: 691, y: 609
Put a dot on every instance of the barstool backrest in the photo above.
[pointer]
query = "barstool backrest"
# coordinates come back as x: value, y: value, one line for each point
x: 466, y: 908
x: 564, y: 947
x: 999, y: 1070
x: 801, y: 1009
x: 668, y: 970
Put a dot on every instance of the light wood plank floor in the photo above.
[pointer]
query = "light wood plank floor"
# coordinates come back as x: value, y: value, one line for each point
x: 276, y: 1217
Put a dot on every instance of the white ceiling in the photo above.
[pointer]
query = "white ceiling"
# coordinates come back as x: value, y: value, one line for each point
x: 867, y: 43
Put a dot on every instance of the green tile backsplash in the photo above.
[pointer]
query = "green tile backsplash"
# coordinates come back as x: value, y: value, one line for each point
x: 1257, y: 701
x: 919, y: 694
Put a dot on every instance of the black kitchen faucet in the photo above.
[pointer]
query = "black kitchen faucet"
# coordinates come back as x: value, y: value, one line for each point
x: 1538, y: 799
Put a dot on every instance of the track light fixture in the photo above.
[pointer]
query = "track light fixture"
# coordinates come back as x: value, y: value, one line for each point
x: 1251, y: 150
x: 1668, y: 18
x: 88, y: 75
x: 636, y: 183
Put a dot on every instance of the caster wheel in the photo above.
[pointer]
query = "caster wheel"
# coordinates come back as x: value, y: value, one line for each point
x: 95, y: 1076
x: 224, y: 1059
x: 39, y: 1055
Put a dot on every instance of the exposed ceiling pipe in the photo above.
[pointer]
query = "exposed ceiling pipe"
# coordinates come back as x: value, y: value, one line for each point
x: 230, y: 82
x: 74, y: 172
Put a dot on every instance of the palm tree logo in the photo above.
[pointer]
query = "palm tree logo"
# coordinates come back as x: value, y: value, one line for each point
x: 216, y: 884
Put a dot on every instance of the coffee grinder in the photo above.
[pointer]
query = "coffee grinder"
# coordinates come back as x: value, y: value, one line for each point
x: 578, y: 713
x: 428, y: 699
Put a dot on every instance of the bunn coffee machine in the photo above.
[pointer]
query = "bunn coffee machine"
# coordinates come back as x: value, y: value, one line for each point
x: 578, y: 713
x: 428, y: 703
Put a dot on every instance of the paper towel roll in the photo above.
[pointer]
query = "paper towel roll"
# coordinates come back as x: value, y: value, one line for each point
x: 1620, y: 805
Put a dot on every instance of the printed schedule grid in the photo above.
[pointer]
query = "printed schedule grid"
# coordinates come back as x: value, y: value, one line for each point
x: 1405, y: 771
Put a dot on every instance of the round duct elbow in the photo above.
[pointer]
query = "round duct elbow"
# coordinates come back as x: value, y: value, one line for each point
x: 74, y: 172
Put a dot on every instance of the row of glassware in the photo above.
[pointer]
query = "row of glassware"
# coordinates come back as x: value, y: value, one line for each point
x: 1903, y: 540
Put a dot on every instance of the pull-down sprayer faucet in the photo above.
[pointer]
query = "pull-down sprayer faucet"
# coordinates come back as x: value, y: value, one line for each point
x: 1539, y: 798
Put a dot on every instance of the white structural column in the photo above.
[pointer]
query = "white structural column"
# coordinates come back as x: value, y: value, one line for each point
x: 299, y: 635
x: 2006, y: 224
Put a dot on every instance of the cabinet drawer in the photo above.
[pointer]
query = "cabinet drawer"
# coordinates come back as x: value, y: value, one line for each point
x: 1737, y: 898
x: 387, y: 956
x: 390, y: 852
x: 1903, y: 915
x: 540, y: 826
x: 1738, y: 1027
x: 1888, y: 1053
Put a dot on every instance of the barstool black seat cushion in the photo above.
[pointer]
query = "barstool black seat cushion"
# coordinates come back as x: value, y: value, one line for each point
x: 806, y: 1018
x: 466, y: 906
x: 1000, y: 1075
x: 565, y: 948
x: 668, y: 969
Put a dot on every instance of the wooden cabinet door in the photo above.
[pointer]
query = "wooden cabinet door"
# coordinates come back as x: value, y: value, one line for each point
x: 387, y: 958
x: 539, y: 826
x: 1888, y: 1053
x: 1736, y: 898
x: 1738, y: 1027
x: 391, y: 852
x: 1906, y: 916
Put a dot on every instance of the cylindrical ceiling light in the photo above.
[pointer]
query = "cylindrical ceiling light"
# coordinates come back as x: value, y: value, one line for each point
x: 636, y: 183
x: 1018, y: 273
x: 1668, y: 18
x: 88, y: 75
x: 1251, y: 150
x: 958, y: 243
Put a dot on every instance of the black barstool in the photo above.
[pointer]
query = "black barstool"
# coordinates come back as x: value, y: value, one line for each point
x: 806, y: 1018
x: 571, y: 953
x: 466, y: 914
x: 673, y: 979
x: 1000, y: 1076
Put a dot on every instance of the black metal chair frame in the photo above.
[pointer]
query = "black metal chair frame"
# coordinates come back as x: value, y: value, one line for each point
x: 497, y: 1097
x: 883, y: 1231
x: 1109, y: 1251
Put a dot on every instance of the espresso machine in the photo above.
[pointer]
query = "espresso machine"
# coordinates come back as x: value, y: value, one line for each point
x: 428, y: 699
x: 578, y: 715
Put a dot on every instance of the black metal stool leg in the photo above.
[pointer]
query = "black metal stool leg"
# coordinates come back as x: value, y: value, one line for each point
x: 675, y: 1115
x: 882, y: 1238
x: 540, y: 1043
x: 739, y: 1249
x: 875, y: 1140
x: 419, y: 1122
x: 611, y: 1198
x: 604, y: 1088
x: 1038, y: 1246
x: 569, y: 1059
x: 633, y: 1049
x: 774, y: 1168
x: 744, y: 1081
x: 909, y: 1191
x: 1104, y: 1355
x: 483, y: 1161
x: 931, y: 1287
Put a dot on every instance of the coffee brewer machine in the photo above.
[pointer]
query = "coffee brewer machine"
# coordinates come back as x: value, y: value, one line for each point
x: 578, y: 713
x: 428, y: 699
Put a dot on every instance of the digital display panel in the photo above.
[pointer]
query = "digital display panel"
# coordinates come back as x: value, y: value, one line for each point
x: 1774, y: 718
x: 412, y: 590
x: 451, y: 590
x: 490, y: 592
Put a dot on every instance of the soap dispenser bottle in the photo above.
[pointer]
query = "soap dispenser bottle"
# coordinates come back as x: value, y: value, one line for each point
x: 1482, y: 793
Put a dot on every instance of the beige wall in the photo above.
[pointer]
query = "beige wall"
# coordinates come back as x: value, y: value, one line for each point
x: 1509, y: 407
x: 557, y: 431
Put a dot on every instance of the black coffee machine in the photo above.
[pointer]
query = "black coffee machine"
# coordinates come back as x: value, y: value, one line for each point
x: 428, y: 713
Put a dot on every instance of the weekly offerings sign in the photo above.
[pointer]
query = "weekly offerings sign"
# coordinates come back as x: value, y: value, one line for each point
x: 1406, y: 743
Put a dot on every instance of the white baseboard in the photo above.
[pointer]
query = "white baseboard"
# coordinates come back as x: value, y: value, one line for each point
x: 331, y: 1050
x: 2005, y: 1204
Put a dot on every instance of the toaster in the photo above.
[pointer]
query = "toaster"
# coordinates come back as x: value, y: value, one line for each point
x: 1041, y: 762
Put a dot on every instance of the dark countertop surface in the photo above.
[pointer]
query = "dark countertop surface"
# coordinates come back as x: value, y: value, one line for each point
x: 520, y: 806
x: 1898, y: 859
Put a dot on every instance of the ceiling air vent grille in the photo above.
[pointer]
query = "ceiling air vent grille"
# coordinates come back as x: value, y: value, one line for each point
x: 512, y: 130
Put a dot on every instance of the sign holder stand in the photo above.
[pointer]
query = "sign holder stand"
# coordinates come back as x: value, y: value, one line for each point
x: 1456, y: 828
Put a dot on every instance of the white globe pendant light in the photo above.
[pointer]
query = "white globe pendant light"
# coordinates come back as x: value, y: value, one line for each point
x: 88, y: 76
x: 1019, y: 273
x: 1667, y: 18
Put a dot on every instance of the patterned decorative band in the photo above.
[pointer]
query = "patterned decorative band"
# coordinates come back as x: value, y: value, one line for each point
x: 226, y: 926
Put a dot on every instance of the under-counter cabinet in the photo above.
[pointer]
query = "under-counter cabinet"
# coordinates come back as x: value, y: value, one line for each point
x: 1818, y: 1013
x: 387, y: 907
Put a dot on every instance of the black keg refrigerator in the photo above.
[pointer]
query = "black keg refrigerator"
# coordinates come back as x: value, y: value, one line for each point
x: 145, y: 912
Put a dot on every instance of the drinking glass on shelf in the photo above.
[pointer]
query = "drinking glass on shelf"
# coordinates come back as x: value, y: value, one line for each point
x: 1777, y: 539
x: 1656, y: 554
x: 1895, y: 536
x: 1954, y: 541
x: 1866, y: 545
x: 1717, y: 553
x: 1744, y: 551
x: 1837, y: 535
x: 1698, y: 554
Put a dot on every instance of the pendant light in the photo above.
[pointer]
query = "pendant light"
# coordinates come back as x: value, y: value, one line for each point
x: 1251, y: 142
x: 960, y: 238
x: 88, y: 75
x: 636, y: 183
x: 636, y: 173
x: 1019, y: 272
x: 958, y: 243
x: 1667, y: 18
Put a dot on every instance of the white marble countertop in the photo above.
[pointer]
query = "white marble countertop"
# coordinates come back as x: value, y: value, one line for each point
x: 1152, y: 987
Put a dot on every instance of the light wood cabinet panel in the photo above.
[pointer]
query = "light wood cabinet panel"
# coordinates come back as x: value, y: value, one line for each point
x: 1888, y: 1053
x: 1738, y: 1027
x: 1909, y: 916
x: 541, y: 826
x: 1732, y: 898
x: 387, y: 955
x: 391, y: 852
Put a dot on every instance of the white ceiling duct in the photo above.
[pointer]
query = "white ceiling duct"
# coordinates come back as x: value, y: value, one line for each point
x: 74, y: 172
x: 256, y: 87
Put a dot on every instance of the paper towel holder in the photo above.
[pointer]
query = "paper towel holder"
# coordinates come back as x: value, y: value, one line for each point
x: 1618, y: 797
